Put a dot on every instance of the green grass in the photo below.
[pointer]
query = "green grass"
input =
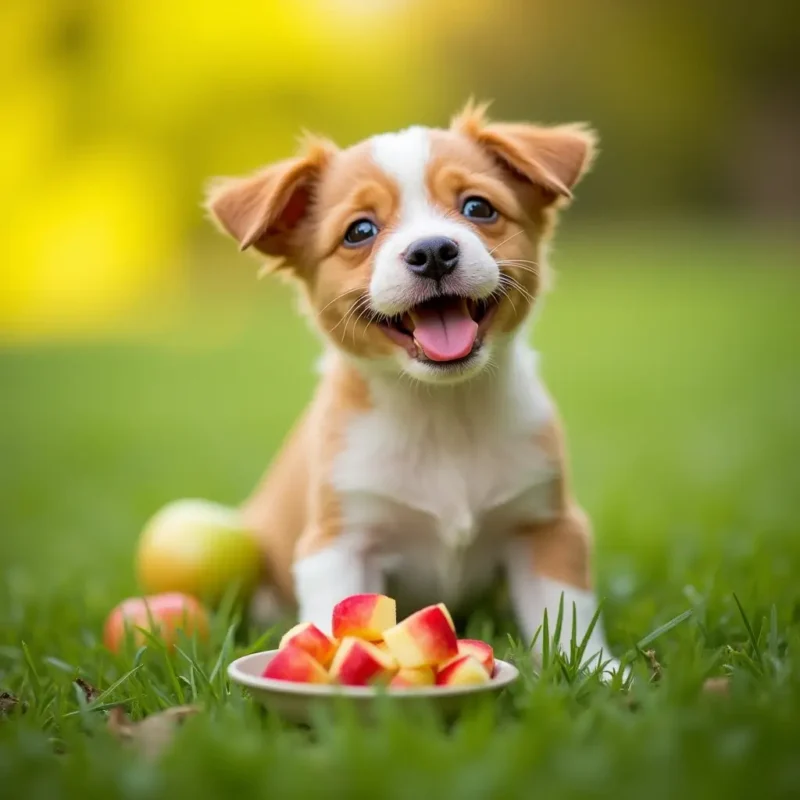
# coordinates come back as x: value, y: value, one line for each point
x: 675, y: 365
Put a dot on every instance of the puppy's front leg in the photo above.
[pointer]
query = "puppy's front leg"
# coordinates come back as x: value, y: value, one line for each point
x: 548, y: 560
x: 324, y: 575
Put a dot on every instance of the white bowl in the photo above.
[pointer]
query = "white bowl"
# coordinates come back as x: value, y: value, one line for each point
x: 300, y: 702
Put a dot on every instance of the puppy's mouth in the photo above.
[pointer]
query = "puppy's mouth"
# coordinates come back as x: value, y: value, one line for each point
x: 446, y: 330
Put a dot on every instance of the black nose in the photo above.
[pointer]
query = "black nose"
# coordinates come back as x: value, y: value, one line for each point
x: 432, y: 258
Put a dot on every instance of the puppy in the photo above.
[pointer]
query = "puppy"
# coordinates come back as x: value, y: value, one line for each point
x: 431, y: 458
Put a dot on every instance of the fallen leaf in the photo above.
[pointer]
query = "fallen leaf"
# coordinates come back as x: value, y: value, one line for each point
x: 152, y: 735
x: 655, y: 667
x: 720, y: 686
x: 89, y: 692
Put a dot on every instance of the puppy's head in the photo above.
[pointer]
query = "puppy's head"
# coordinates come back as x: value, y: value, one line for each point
x: 419, y: 251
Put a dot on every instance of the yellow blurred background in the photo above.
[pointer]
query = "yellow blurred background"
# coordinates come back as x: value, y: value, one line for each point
x: 116, y: 113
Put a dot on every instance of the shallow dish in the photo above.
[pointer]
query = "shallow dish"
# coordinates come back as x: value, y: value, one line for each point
x: 300, y: 702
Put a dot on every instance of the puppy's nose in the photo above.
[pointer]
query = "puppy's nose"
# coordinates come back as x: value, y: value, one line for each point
x: 432, y: 258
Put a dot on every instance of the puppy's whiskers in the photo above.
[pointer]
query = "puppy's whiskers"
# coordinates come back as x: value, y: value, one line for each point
x: 509, y: 280
x: 339, y: 297
x: 363, y: 310
x: 352, y: 310
x: 507, y: 239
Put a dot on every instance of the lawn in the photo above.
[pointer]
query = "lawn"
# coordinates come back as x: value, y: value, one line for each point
x: 675, y: 364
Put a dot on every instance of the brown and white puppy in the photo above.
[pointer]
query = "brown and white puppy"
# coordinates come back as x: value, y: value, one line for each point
x: 431, y: 455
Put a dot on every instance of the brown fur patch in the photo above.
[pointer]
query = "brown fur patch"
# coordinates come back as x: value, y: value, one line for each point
x: 294, y: 509
x: 561, y: 548
x: 343, y: 394
x: 263, y: 210
x: 551, y: 157
x: 460, y: 168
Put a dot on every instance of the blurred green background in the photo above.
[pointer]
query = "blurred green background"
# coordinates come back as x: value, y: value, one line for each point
x: 140, y: 360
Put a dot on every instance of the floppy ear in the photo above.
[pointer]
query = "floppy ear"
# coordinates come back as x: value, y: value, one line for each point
x: 554, y: 158
x: 263, y: 210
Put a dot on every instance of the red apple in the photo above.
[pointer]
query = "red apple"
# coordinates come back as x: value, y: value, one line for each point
x: 409, y: 678
x: 310, y: 638
x: 360, y: 663
x: 292, y: 663
x: 425, y: 639
x: 365, y: 616
x: 197, y: 547
x: 462, y: 671
x: 160, y: 614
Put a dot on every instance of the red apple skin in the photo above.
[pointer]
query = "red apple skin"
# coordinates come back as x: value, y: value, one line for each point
x: 426, y: 638
x: 480, y: 650
x: 292, y: 663
x: 361, y: 663
x: 160, y: 614
x: 462, y: 671
x: 310, y: 638
x: 446, y: 612
x: 365, y: 616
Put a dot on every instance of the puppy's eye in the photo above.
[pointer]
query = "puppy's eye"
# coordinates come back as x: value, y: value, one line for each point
x: 360, y: 232
x: 479, y: 209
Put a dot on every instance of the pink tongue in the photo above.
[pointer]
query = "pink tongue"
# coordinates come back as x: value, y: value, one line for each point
x: 445, y: 331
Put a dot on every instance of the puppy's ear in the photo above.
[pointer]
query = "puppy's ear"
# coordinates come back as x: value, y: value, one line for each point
x: 554, y: 158
x: 263, y: 210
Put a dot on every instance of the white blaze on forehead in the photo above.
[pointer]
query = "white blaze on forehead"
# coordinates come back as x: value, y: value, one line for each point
x: 404, y: 157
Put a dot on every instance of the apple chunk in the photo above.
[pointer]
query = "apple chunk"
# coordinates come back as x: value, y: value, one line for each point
x: 292, y: 663
x: 480, y: 650
x: 462, y: 671
x: 360, y: 663
x: 409, y: 678
x: 425, y: 639
x: 365, y: 616
x: 310, y: 638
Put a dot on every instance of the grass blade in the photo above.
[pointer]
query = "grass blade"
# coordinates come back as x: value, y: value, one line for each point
x: 559, y: 624
x: 224, y: 652
x: 750, y: 632
x: 586, y: 636
x: 114, y: 686
x: 665, y: 628
x: 632, y: 654
x: 259, y: 643
x: 35, y: 680
x: 545, y: 642
x: 773, y: 642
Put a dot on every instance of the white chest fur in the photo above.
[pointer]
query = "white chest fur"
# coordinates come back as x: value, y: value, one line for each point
x: 434, y: 479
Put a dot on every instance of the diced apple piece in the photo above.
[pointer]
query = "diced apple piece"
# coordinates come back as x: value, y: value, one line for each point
x: 480, y: 650
x: 462, y: 671
x: 408, y: 678
x: 425, y: 639
x: 310, y: 638
x: 365, y: 616
x: 292, y: 663
x: 361, y: 663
